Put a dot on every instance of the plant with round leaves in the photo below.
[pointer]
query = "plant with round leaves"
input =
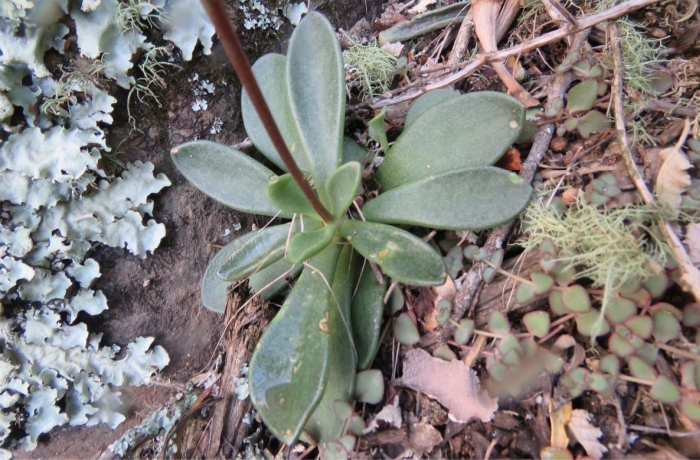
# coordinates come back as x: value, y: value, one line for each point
x: 329, y: 324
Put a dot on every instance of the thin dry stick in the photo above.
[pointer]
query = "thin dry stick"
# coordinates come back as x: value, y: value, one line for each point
x: 481, y: 59
x: 498, y: 236
x: 690, y: 278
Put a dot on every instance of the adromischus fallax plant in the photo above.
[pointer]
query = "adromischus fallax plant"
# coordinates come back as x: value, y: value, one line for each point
x: 437, y: 174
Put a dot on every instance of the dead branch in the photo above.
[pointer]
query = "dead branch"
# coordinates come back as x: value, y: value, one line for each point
x: 690, y: 278
x: 392, y: 97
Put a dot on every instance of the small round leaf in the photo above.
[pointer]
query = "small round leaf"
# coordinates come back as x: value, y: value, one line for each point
x: 463, y: 331
x: 576, y: 299
x: 537, y: 323
x: 443, y: 352
x: 498, y: 323
x: 369, y: 386
x: 640, y: 369
x: 665, y: 391
x: 543, y: 283
x: 524, y: 293
x: 405, y: 331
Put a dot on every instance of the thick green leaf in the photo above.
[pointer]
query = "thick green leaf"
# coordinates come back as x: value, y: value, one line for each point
x: 468, y: 131
x: 405, y: 330
x: 465, y: 199
x: 342, y: 186
x: 309, y: 243
x: 582, y: 96
x: 213, y: 288
x: 324, y: 425
x: 270, y: 281
x: 352, y: 151
x: 289, y: 368
x: 253, y: 251
x: 227, y: 175
x: 377, y: 130
x: 366, y: 313
x: 427, y: 101
x: 316, y: 82
x: 665, y: 390
x: 270, y: 71
x: 401, y: 255
x: 284, y: 193
x: 370, y: 386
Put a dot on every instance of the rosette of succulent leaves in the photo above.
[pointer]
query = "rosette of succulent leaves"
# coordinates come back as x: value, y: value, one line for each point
x: 438, y: 174
x: 57, y: 203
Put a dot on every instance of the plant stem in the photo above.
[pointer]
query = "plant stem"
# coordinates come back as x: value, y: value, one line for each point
x: 234, y: 50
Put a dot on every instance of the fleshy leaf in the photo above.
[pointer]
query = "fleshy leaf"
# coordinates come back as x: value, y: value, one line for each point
x: 369, y: 386
x: 463, y: 331
x: 289, y: 368
x: 440, y: 142
x: 465, y: 199
x: 582, y: 96
x: 366, y: 315
x: 498, y: 323
x: 592, y: 122
x: 401, y: 255
x: 427, y: 101
x: 284, y: 193
x: 251, y: 252
x: 665, y: 391
x: 620, y: 310
x: 317, y: 93
x: 405, y: 330
x: 270, y: 281
x: 543, y: 283
x: 537, y: 323
x: 666, y: 326
x: 323, y: 425
x: 586, y: 321
x: 270, y: 71
x: 524, y: 293
x: 309, y: 243
x: 377, y: 131
x: 640, y: 369
x: 209, y: 166
x: 342, y: 186
x: 576, y: 299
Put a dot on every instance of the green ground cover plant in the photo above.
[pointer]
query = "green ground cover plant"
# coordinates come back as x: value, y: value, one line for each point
x: 437, y: 174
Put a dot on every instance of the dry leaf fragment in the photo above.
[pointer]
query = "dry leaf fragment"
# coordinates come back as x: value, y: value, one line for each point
x: 692, y: 242
x: 423, y: 437
x: 422, y: 6
x: 673, y: 178
x: 452, y: 383
x: 586, y: 434
x: 559, y: 418
x: 390, y: 415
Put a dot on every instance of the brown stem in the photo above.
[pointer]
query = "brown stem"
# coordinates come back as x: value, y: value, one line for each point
x: 234, y: 50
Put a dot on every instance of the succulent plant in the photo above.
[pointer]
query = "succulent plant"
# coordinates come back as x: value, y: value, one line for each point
x: 437, y: 174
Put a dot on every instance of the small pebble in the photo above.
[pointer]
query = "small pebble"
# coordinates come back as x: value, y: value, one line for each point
x: 558, y: 144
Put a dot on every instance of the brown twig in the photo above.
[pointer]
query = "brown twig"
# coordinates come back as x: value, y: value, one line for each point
x: 690, y: 275
x: 234, y: 50
x: 483, y: 58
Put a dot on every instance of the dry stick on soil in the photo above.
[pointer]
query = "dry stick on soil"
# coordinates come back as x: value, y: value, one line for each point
x: 248, y: 325
x: 481, y: 59
x: 690, y: 278
x: 472, y: 280
x: 485, y: 23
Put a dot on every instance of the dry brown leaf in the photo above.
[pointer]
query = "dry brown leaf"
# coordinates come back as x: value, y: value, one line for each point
x: 390, y: 415
x: 586, y: 434
x: 452, y: 383
x: 692, y: 242
x: 423, y: 437
x: 558, y: 419
x: 422, y: 6
x: 673, y: 178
